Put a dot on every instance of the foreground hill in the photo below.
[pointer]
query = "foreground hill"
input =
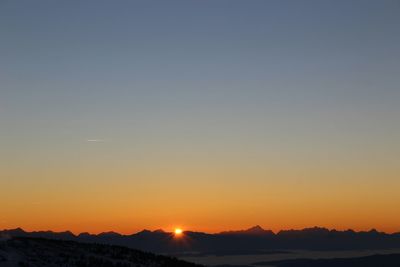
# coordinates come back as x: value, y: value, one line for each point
x: 39, y: 252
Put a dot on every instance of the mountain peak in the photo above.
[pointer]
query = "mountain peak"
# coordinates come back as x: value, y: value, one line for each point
x: 109, y: 234
x: 255, y: 229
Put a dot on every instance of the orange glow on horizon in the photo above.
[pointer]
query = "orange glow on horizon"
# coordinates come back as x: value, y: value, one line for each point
x: 100, y: 204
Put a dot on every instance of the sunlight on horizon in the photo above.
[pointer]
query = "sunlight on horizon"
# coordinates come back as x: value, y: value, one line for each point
x: 178, y: 232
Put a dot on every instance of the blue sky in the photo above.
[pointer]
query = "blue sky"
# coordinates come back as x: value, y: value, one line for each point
x: 247, y: 85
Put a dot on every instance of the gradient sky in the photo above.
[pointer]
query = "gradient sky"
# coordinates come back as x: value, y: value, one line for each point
x: 209, y: 115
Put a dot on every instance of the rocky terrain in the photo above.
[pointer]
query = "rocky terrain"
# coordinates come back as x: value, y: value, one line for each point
x: 40, y: 252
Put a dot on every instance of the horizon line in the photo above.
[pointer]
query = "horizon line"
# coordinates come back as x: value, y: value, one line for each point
x: 205, y: 232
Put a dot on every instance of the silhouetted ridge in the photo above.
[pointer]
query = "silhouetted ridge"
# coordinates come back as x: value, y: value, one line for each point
x: 254, y: 238
x: 255, y: 230
x: 27, y: 251
x: 109, y: 234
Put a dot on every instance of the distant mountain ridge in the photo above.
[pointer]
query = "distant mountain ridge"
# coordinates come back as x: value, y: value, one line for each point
x: 254, y: 238
x: 255, y: 230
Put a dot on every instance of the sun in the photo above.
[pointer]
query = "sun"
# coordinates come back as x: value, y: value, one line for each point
x: 178, y: 231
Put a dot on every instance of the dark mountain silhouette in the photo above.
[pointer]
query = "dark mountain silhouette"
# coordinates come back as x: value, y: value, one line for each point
x: 39, y: 252
x: 255, y: 230
x: 253, y: 239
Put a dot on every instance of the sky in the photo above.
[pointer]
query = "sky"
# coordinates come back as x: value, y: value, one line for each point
x: 208, y: 115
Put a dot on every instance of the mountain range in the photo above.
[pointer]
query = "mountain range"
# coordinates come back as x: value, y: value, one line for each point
x: 251, y: 240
